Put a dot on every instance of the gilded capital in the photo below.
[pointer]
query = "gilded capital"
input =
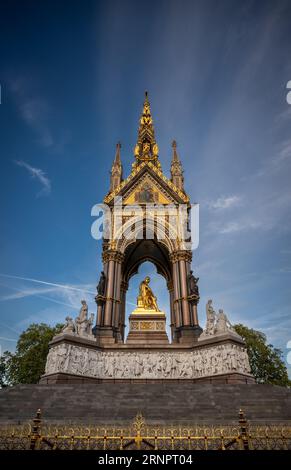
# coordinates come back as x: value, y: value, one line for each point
x: 181, y: 255
x: 112, y: 255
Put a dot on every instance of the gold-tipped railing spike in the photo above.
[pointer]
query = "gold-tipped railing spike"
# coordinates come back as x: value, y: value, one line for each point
x: 138, y: 422
x: 244, y: 434
x: 35, y: 433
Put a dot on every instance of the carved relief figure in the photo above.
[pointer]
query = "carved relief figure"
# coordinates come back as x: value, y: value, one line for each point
x: 199, y: 363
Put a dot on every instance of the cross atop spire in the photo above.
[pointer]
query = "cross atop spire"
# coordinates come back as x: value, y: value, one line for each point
x: 146, y: 148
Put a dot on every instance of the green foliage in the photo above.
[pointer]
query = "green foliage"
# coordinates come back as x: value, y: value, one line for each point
x: 266, y: 362
x: 27, y: 364
x: 3, y: 369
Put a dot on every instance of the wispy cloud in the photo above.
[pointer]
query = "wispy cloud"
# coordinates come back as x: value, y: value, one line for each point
x: 33, y: 109
x: 33, y: 112
x: 285, y: 152
x: 37, y: 174
x: 225, y: 202
x: 275, y: 163
x: 240, y: 226
x: 37, y: 113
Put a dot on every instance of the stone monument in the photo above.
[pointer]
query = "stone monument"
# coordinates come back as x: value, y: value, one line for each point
x: 153, y: 214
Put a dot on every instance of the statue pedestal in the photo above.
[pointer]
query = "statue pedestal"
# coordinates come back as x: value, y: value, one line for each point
x: 147, y: 327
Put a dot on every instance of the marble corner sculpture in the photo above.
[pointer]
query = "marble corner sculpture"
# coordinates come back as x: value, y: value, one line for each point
x: 102, y: 352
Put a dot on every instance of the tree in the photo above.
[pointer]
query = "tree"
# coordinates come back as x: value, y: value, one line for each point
x: 3, y: 370
x: 266, y: 361
x: 27, y: 364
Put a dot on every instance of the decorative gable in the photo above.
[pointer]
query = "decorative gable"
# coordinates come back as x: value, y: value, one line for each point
x: 146, y: 191
x: 157, y: 187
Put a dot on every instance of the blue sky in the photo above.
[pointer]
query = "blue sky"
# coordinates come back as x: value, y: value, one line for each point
x: 73, y: 75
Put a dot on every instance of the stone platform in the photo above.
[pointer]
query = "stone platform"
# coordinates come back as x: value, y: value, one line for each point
x: 168, y: 403
x: 147, y: 327
x: 222, y: 358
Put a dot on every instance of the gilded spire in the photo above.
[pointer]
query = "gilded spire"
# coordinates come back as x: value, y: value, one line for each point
x: 146, y: 148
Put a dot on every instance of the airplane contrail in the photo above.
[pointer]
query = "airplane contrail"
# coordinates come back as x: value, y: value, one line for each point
x: 53, y: 284
x: 63, y: 286
x: 8, y: 339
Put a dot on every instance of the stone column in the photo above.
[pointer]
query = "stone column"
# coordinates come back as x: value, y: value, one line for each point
x: 172, y: 311
x: 99, y: 313
x: 176, y: 292
x: 123, y: 287
x: 108, y: 320
x: 117, y: 296
x: 186, y: 331
x: 107, y: 332
x: 195, y: 314
x: 184, y: 293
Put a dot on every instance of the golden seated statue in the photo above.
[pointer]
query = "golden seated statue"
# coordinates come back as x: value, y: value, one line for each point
x: 146, y: 298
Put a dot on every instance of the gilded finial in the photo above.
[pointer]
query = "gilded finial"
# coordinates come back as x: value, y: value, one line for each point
x: 146, y: 148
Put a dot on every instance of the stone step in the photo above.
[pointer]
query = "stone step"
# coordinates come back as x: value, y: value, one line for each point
x: 164, y: 403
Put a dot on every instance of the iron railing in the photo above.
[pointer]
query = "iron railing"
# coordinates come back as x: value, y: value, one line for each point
x: 139, y: 435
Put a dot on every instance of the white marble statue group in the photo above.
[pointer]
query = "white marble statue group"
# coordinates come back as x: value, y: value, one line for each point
x: 82, y: 325
x: 214, y: 360
x: 216, y: 323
